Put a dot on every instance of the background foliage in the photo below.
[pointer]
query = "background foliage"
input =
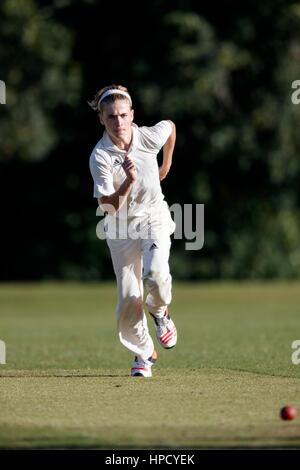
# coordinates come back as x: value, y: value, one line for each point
x: 221, y: 70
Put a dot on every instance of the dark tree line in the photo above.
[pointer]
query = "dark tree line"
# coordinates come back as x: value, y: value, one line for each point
x: 222, y: 71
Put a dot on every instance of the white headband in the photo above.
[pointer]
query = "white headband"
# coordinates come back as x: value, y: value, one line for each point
x: 114, y: 92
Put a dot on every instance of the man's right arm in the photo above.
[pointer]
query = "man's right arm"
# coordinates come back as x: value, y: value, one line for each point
x: 115, y: 201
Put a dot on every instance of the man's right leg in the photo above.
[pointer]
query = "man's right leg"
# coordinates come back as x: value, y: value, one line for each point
x: 132, y: 322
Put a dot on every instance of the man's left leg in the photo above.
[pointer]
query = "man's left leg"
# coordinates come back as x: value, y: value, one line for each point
x: 158, y: 282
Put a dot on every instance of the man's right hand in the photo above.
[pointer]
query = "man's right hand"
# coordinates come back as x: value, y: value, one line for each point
x: 115, y: 201
x: 129, y: 168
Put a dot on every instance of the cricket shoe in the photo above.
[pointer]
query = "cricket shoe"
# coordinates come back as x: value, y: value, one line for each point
x: 165, y: 330
x: 141, y: 368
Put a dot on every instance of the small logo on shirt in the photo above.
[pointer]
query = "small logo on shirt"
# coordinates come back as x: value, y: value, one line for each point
x: 153, y: 247
x: 117, y: 162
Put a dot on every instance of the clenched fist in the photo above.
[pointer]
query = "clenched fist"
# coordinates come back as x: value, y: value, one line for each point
x: 129, y: 168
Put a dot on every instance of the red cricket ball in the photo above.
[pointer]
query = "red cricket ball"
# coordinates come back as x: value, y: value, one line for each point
x: 288, y: 412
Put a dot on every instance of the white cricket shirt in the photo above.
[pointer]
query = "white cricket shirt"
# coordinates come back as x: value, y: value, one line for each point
x: 106, y: 168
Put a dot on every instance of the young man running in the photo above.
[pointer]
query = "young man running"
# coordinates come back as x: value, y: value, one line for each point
x: 138, y: 223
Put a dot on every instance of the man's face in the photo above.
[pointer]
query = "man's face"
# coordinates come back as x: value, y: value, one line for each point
x: 117, y: 118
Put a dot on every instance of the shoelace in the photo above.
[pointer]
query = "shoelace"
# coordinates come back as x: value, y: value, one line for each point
x: 139, y: 362
x: 162, y: 323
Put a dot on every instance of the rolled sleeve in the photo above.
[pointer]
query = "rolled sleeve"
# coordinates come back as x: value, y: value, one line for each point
x: 102, y: 175
x: 156, y: 136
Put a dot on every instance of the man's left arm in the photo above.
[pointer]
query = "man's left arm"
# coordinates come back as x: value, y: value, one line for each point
x: 168, y: 150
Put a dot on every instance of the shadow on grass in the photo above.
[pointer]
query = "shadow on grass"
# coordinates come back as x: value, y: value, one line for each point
x: 66, y: 374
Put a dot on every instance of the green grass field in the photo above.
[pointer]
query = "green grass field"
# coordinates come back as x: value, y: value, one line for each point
x: 66, y: 382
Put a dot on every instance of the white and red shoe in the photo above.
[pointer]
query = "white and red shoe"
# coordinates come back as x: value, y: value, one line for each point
x: 141, y: 368
x: 165, y: 330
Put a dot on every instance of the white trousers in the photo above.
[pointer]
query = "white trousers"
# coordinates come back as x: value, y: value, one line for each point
x: 138, y: 263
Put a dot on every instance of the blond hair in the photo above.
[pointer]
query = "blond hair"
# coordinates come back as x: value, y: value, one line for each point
x: 98, y: 107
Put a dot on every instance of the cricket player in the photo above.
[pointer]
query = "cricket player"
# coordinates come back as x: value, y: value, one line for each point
x: 138, y: 223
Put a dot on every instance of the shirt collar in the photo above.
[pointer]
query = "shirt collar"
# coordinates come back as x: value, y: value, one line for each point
x: 109, y: 145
